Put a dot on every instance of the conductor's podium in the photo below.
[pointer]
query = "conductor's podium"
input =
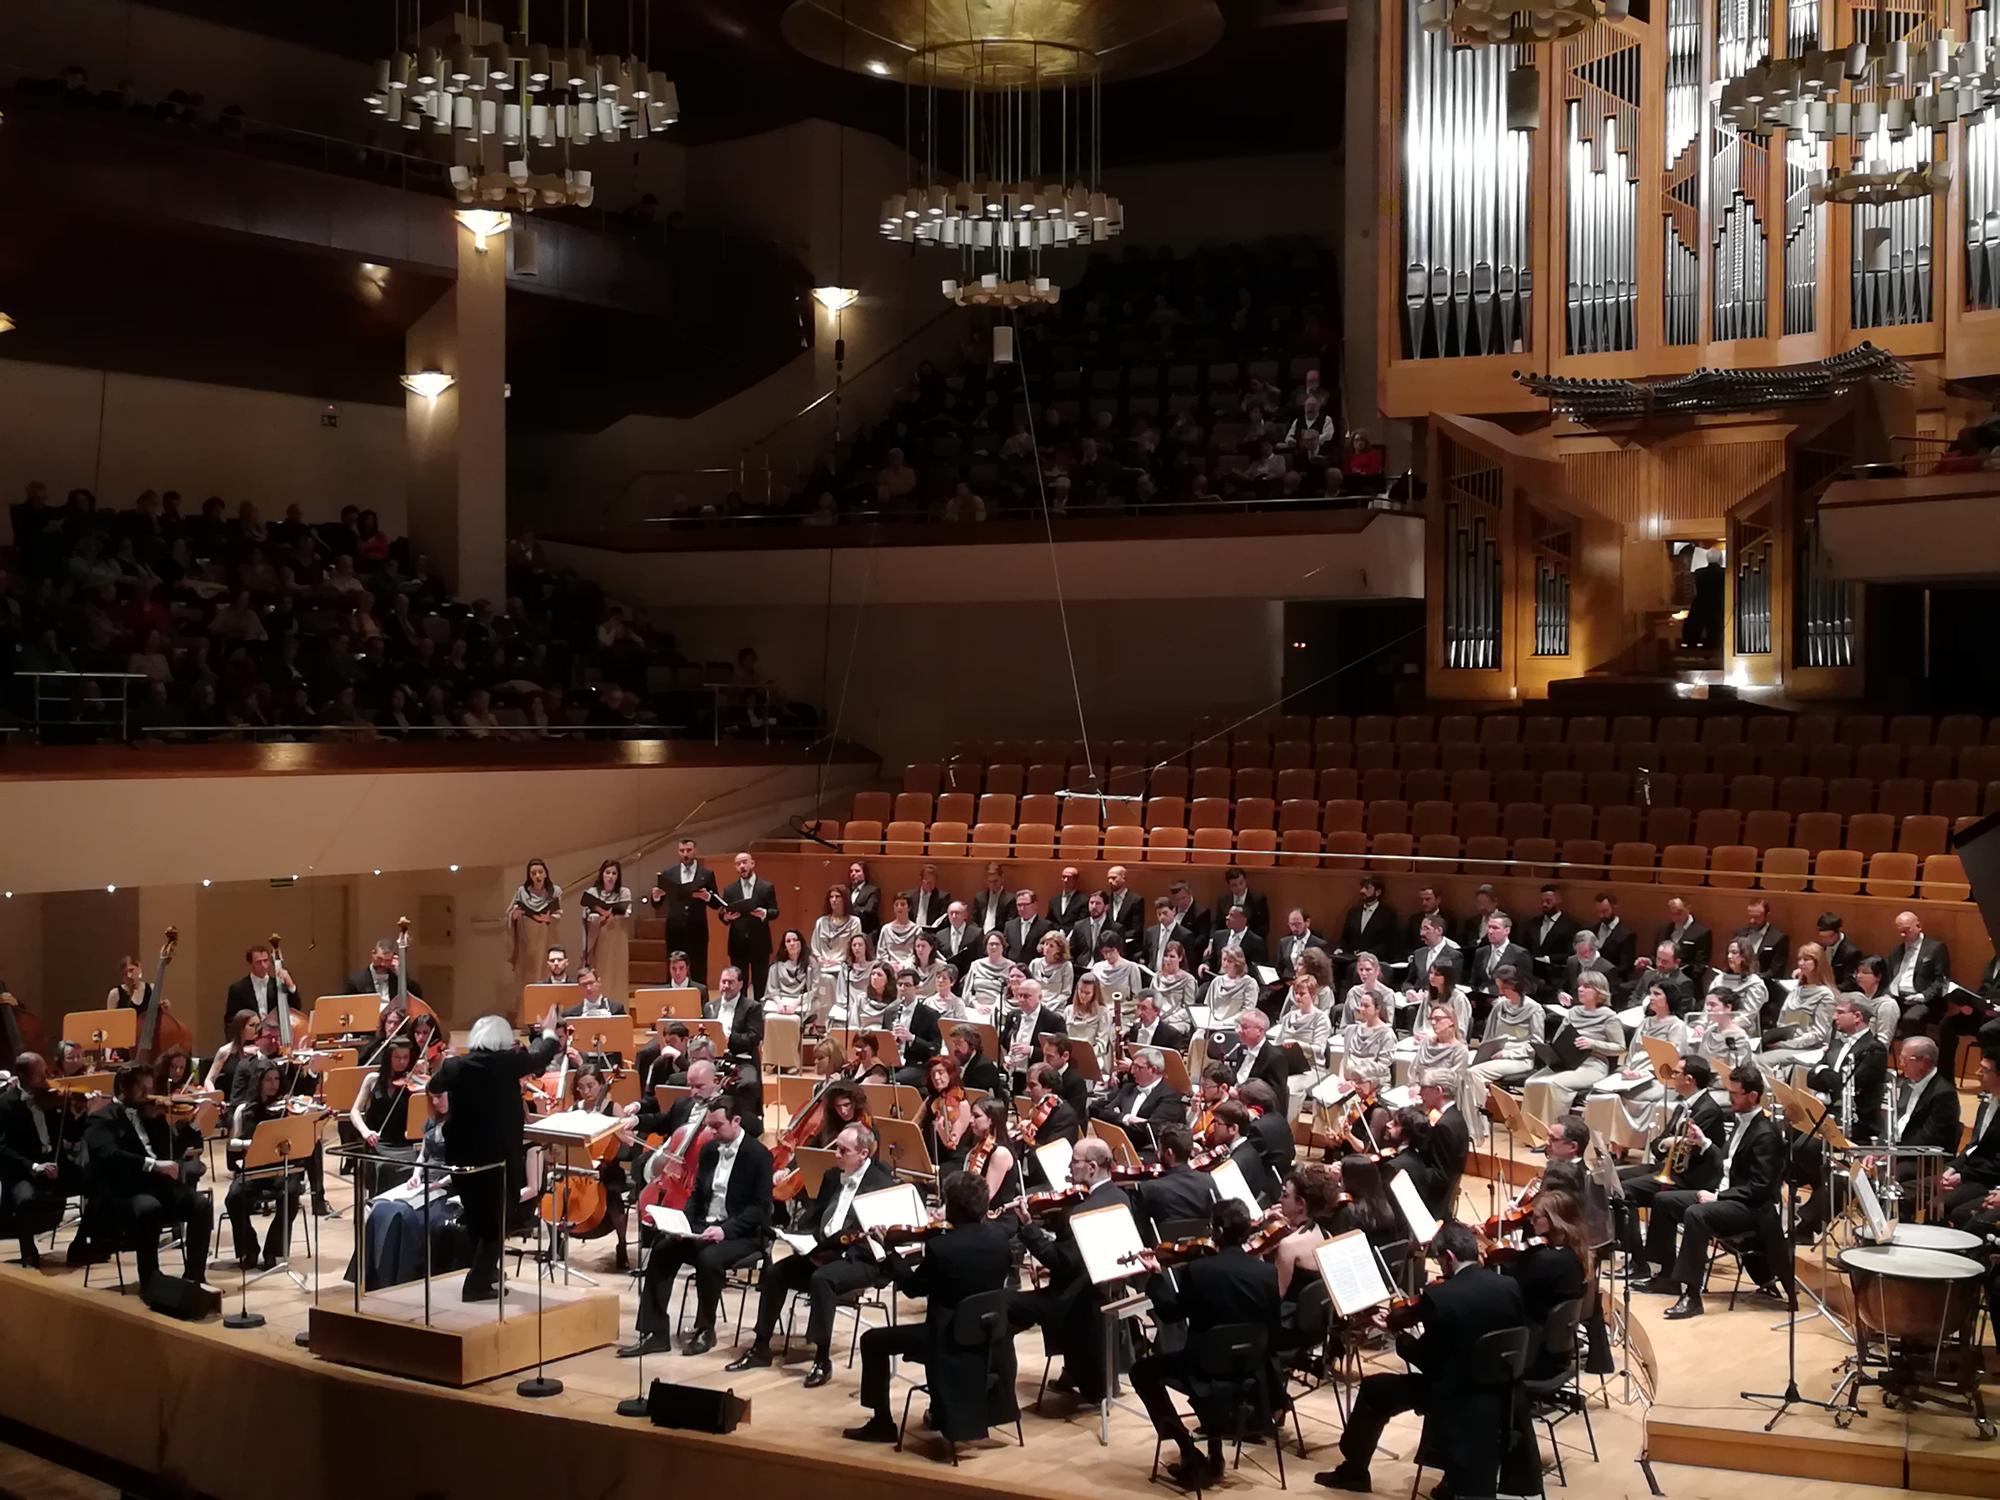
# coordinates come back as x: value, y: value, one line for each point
x: 463, y: 1343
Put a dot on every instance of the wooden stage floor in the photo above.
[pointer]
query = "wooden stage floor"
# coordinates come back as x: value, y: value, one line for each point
x: 192, y: 1395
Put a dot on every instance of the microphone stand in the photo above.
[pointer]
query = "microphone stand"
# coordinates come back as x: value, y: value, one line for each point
x: 1790, y: 1396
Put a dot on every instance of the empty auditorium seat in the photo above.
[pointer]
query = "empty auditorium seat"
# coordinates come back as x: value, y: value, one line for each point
x: 1718, y: 826
x: 1830, y: 761
x: 1168, y: 781
x: 1931, y: 762
x: 912, y: 807
x: 862, y: 836
x: 1668, y: 825
x: 1909, y: 729
x: 1956, y: 798
x: 1923, y: 834
x: 1633, y: 859
x: 1038, y: 807
x: 1731, y: 761
x: 1458, y: 729
x: 1080, y: 812
x: 1348, y: 847
x: 1500, y: 729
x: 1900, y: 797
x: 1391, y: 851
x: 1677, y: 729
x: 1006, y: 779
x: 1298, y: 812
x: 904, y: 838
x: 1544, y: 758
x: 1786, y: 869
x: 1124, y: 841
x: 1477, y: 786
x: 1523, y: 820
x: 955, y: 807
x: 1683, y: 758
x: 1168, y: 811
x: 1767, y: 830
x: 1587, y: 760
x: 1123, y: 810
x: 1339, y: 784
x: 1958, y: 731
x: 947, y: 839
x: 1374, y: 729
x: 1416, y: 757
x: 1253, y: 781
x: 1944, y: 879
x: 1752, y: 793
x: 1618, y: 822
x: 1606, y: 788
x: 1255, y: 812
x: 990, y: 840
x: 1486, y: 856
x: 1166, y: 845
x: 1535, y: 857
x: 1892, y: 874
x: 1212, y: 846
x: 1627, y: 728
x: 1732, y: 866
x: 1582, y: 857
x: 1477, y: 820
x: 1767, y: 729
x: 1381, y: 783
x: 1257, y: 848
x: 1342, y: 815
x: 1541, y: 729
x: 1211, y: 781
x: 1722, y: 729
x: 1684, y: 864
x: 1703, y: 789
x: 1430, y: 817
x: 1571, y: 820
x: 1778, y: 761
x: 1801, y: 794
x: 1878, y: 762
x: 1860, y: 729
x: 872, y: 807
x: 1045, y: 777
x: 924, y: 776
x: 1333, y: 729
x: 1390, y: 815
x: 1639, y: 755
x: 1077, y: 841
x: 1815, y: 831
x: 1208, y: 812
x: 1439, y: 853
x: 1291, y: 785
x: 1457, y: 756
x: 1424, y: 786
x: 1848, y: 795
x: 1035, y: 840
x: 1837, y: 872
x: 1561, y: 786
x: 1871, y: 833
x: 1333, y: 753
x: 1299, y: 847
x: 1584, y: 729
x: 1291, y: 755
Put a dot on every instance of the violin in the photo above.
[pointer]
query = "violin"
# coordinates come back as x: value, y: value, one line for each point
x: 944, y: 1109
x: 1053, y: 1201
x: 1514, y: 1215
x: 1037, y: 1118
x: 1263, y: 1239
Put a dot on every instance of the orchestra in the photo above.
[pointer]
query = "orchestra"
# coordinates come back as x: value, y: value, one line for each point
x: 708, y: 1195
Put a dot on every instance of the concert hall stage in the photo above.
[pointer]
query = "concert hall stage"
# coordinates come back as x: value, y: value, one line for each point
x: 218, y: 1410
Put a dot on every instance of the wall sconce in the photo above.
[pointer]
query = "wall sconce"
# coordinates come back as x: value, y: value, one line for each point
x: 6, y: 324
x: 484, y: 224
x: 836, y: 299
x: 431, y: 383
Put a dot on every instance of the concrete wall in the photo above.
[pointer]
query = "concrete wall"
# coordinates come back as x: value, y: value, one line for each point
x: 119, y: 434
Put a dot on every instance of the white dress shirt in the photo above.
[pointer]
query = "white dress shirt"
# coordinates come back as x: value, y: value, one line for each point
x: 718, y: 1186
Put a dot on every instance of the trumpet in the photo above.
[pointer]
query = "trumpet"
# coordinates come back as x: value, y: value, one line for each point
x: 1675, y: 1160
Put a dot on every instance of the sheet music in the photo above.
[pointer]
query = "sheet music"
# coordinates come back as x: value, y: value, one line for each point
x: 1871, y: 1206
x: 1352, y: 1275
x: 1229, y: 1183
x: 1330, y: 1090
x: 798, y: 1244
x: 1423, y: 1227
x: 672, y: 1221
x: 1054, y: 1157
x: 577, y: 1126
x: 1265, y: 974
x: 1104, y: 1236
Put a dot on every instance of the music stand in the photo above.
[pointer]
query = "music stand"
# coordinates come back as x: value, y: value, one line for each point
x: 1175, y: 1069
x: 902, y: 1141
x: 1123, y: 1153
x: 784, y: 1045
x: 667, y: 1095
x: 650, y: 1004
x: 888, y: 1051
x: 570, y: 1141
x: 892, y: 1101
x: 101, y: 1031
x: 339, y: 1086
x: 345, y: 1015
x: 989, y: 1038
x: 1808, y: 1116
x: 1506, y: 1115
x: 812, y: 1165
x: 1083, y: 1057
x: 277, y: 1148
x: 563, y: 1133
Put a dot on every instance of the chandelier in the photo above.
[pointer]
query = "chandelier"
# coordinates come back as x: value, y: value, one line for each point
x: 1520, y: 23
x: 1005, y: 111
x: 522, y: 96
x: 1891, y: 96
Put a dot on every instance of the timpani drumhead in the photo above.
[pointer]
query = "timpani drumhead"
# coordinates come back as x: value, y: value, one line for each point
x: 1934, y: 1237
x: 1909, y: 1263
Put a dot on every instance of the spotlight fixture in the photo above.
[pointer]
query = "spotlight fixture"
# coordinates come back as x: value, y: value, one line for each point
x: 483, y: 222
x: 836, y: 298
x: 6, y: 323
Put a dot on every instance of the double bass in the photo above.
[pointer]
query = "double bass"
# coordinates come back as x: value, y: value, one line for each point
x: 160, y: 1029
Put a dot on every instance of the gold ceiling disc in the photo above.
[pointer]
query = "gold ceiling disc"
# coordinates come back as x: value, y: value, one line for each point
x: 986, y: 44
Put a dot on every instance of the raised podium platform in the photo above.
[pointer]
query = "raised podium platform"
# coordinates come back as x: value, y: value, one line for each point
x: 465, y: 1342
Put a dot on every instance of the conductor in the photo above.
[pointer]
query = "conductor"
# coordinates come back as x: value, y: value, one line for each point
x: 484, y: 1129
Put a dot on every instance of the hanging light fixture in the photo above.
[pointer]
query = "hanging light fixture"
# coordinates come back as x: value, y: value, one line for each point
x: 6, y: 323
x: 484, y: 223
x: 1891, y: 95
x: 430, y: 384
x: 527, y: 101
x: 836, y: 298
x: 1007, y: 97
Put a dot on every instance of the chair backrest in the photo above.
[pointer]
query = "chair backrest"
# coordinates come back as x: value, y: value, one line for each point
x: 903, y: 838
x: 1500, y: 1358
x: 872, y: 807
x: 980, y: 1319
x: 1558, y: 1330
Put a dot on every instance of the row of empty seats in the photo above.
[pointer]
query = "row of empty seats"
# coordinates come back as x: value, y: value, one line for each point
x: 1846, y: 796
x: 1880, y: 872
x: 1127, y: 760
x: 1761, y: 731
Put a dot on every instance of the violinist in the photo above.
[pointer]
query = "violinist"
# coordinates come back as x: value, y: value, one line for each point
x: 36, y: 1176
x: 175, y: 1068
x: 1067, y: 1308
x: 865, y: 1064
x: 1049, y: 1116
x: 1465, y: 1423
x: 1231, y: 1132
x: 242, y: 1044
x: 71, y: 1062
x: 380, y: 1116
x: 975, y: 1069
x: 299, y: 1075
x: 1068, y: 1080
x: 832, y: 1270
x: 1371, y: 1210
x: 947, y: 1112
x: 1315, y: 1211
x: 266, y: 987
x: 989, y: 1157
x: 1180, y: 1193
x: 1409, y: 1134
x: 1270, y: 1132
x: 1553, y: 1269
x: 971, y: 1257
x: 1451, y: 1137
x: 1227, y: 1288
x: 250, y: 1195
x: 1144, y: 1103
x: 139, y: 1182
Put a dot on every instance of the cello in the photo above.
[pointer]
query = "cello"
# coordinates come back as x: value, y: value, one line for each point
x: 674, y: 1184
x: 787, y: 1180
x: 20, y: 1030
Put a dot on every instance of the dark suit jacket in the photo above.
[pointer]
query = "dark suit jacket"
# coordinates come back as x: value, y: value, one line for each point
x: 1166, y: 1038
x: 874, y: 1177
x: 971, y: 945
x: 926, y: 1036
x: 984, y: 1073
x: 1774, y: 953
x: 962, y: 1262
x: 1063, y: 1124
x: 1199, y: 924
x: 243, y: 997
x: 1933, y: 970
x: 1058, y: 1251
x: 1014, y: 1029
x: 1548, y: 1276
x: 1759, y: 1166
x: 1252, y: 945
x: 1697, y: 948
x: 1285, y: 955
x: 1980, y: 1161
x: 1680, y: 989
x: 486, y: 1116
x: 934, y: 918
x: 750, y: 937
x: 747, y: 1206
x: 865, y: 902
x: 1175, y: 1196
x: 1478, y: 973
x: 1463, y: 1422
x: 1843, y: 959
x: 1148, y: 952
x: 1256, y: 1171
x: 746, y: 1031
x: 1413, y: 928
x: 20, y: 1147
x: 1067, y: 908
x: 1075, y: 1091
x: 1084, y: 943
x: 1273, y: 1135
x: 1215, y: 1291
x: 115, y: 1158
x: 1376, y: 934
x: 1130, y: 915
x: 1270, y: 1066
x: 1573, y: 971
x: 1704, y: 1169
x: 1163, y: 1107
x: 1934, y: 1122
x: 1024, y: 938
x: 1560, y: 944
x: 988, y: 911
x: 1256, y: 912
x: 1620, y: 949
x: 1451, y: 1142
x: 686, y: 917
x: 1868, y: 1060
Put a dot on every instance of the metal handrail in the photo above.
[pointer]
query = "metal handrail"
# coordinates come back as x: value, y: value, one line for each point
x: 1215, y: 506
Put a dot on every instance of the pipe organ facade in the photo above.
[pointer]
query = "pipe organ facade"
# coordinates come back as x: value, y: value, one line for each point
x: 1520, y: 170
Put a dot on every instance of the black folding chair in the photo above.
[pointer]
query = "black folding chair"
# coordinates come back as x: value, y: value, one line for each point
x: 979, y: 1322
